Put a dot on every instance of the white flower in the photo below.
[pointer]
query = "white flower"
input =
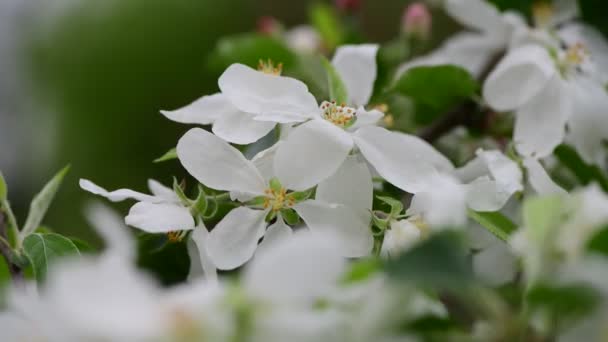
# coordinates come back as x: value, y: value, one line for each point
x: 230, y: 122
x: 303, y: 38
x: 161, y: 212
x: 315, y: 149
x: 402, y: 235
x: 549, y: 93
x: 341, y: 206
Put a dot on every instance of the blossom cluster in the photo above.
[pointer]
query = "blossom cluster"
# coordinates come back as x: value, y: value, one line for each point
x: 299, y: 191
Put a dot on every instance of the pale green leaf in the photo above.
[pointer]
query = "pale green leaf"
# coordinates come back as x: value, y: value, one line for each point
x: 44, y: 249
x: 337, y: 89
x: 169, y: 155
x: 3, y: 188
x: 495, y: 222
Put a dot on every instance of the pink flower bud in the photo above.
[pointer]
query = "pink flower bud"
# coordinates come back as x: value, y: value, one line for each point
x: 417, y: 21
x: 268, y: 25
x: 348, y: 5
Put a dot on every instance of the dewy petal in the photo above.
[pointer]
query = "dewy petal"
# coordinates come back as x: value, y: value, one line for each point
x: 356, y: 65
x: 397, y: 161
x: 159, y: 217
x: 349, y: 227
x: 203, y: 111
x: 276, y: 233
x: 199, y: 237
x: 539, y: 179
x: 234, y: 240
x: 216, y: 164
x: 476, y: 14
x: 588, y: 127
x: 159, y: 190
x: 258, y: 93
x: 300, y: 269
x: 519, y: 77
x: 310, y: 154
x: 540, y: 124
x: 241, y: 128
x: 351, y: 186
x: 116, y: 195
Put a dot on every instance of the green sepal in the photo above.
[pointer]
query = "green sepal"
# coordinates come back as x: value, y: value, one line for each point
x: 396, y: 206
x: 381, y: 223
x: 200, y: 204
x: 275, y: 185
x: 300, y: 195
x: 169, y: 155
x: 256, y: 202
x: 290, y: 216
x: 271, y: 215
x: 211, y: 201
x: 177, y: 188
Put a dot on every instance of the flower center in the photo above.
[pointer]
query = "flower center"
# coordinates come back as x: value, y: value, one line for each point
x: 176, y: 236
x: 573, y: 58
x: 268, y: 67
x: 340, y: 115
x: 277, y: 199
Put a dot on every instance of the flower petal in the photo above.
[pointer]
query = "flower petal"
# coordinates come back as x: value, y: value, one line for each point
x: 539, y: 179
x: 258, y: 93
x: 310, y: 154
x: 495, y: 264
x: 241, y: 128
x: 351, y: 186
x: 116, y: 195
x: 203, y: 111
x: 276, y: 233
x: 476, y: 14
x: 442, y: 204
x: 484, y: 194
x: 504, y: 171
x: 161, y: 191
x: 234, y: 240
x: 300, y: 269
x: 216, y: 164
x: 396, y: 160
x: 201, y: 258
x: 540, y: 124
x: 366, y: 118
x: 519, y: 77
x: 356, y: 65
x: 349, y: 227
x: 159, y: 217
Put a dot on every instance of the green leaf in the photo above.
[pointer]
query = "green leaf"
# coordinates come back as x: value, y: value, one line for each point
x: 562, y: 302
x: 495, y: 222
x: 440, y: 262
x: 396, y: 205
x: 3, y: 188
x: 362, y: 270
x: 435, y: 89
x: 83, y: 246
x: 290, y: 216
x: 584, y: 172
x: 44, y: 249
x: 598, y: 243
x: 337, y: 89
x: 325, y: 20
x: 249, y: 49
x: 41, y: 202
x: 169, y: 155
x: 541, y: 214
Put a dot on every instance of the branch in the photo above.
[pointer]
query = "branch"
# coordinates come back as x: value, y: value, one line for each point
x: 6, y: 251
x: 462, y: 114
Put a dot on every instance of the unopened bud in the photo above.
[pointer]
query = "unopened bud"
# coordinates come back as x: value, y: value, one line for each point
x: 417, y: 21
x: 348, y: 5
x: 268, y: 25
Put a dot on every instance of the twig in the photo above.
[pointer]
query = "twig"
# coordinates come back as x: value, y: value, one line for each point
x: 15, y: 271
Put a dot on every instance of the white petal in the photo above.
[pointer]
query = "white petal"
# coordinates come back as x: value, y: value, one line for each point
x: 519, y: 77
x: 234, y: 240
x: 159, y: 190
x: 442, y: 204
x: 116, y: 195
x: 395, y: 159
x: 539, y: 179
x: 301, y: 268
x: 349, y: 227
x: 258, y: 93
x: 159, y: 217
x: 276, y: 233
x: 351, y: 186
x: 476, y: 14
x: 241, y: 128
x: 264, y: 161
x: 216, y: 164
x: 366, y: 118
x: 540, y: 124
x: 356, y: 65
x: 203, y: 111
x: 401, y: 236
x: 495, y: 264
x: 310, y: 154
x: 503, y: 170
x: 421, y: 150
x: 111, y: 227
x: 564, y: 11
x: 588, y: 127
x: 484, y: 194
x: 199, y: 238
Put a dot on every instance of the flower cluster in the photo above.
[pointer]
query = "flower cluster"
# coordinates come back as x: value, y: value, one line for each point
x: 342, y: 225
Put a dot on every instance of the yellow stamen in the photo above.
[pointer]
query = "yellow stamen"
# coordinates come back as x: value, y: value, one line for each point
x: 277, y: 200
x: 175, y: 236
x: 268, y: 67
x: 339, y: 115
